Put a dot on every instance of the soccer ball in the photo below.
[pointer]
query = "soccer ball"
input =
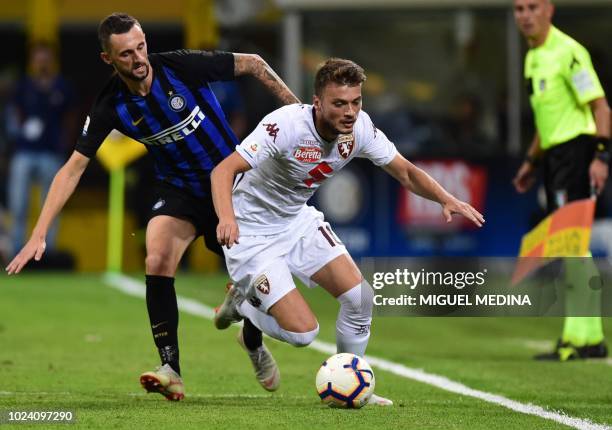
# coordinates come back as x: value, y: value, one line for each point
x: 345, y: 381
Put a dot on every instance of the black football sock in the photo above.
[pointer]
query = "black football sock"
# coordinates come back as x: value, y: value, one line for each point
x: 163, y: 316
x: 251, y: 335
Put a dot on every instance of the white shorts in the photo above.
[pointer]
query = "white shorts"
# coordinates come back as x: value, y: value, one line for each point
x: 261, y: 266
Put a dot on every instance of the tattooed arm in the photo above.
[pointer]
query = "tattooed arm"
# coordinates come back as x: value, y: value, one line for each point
x: 253, y: 64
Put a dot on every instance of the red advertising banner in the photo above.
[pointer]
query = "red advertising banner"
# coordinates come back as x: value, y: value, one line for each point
x: 465, y: 181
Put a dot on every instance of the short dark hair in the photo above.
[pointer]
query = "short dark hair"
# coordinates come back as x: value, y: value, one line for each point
x: 338, y: 71
x: 115, y: 23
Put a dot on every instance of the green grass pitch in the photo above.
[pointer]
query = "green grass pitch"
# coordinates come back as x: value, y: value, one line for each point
x: 69, y: 342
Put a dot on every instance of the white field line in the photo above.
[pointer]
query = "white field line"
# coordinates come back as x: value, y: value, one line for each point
x: 538, y: 345
x: 136, y: 288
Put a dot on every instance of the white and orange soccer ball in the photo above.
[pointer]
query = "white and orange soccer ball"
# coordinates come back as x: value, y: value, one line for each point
x: 345, y: 381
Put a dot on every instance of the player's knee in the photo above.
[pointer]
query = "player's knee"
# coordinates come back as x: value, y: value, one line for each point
x: 358, y: 300
x: 158, y: 263
x: 301, y: 339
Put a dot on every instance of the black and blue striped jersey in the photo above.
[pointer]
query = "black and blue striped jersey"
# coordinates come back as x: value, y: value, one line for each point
x: 180, y: 121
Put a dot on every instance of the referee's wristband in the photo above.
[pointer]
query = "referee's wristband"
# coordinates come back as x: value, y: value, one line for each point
x: 602, y: 144
x: 602, y: 149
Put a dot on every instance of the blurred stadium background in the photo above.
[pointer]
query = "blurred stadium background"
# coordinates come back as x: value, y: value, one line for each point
x: 444, y: 83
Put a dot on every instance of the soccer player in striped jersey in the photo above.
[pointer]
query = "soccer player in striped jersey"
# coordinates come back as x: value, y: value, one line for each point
x: 164, y: 101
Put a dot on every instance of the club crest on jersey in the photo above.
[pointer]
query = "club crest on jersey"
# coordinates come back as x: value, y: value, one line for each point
x: 177, y: 102
x: 262, y: 284
x: 308, y: 154
x: 346, y: 143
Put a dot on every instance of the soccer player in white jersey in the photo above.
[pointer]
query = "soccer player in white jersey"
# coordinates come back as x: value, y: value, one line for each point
x: 269, y: 232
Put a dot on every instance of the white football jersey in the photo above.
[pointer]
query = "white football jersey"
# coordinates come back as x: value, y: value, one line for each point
x: 290, y: 161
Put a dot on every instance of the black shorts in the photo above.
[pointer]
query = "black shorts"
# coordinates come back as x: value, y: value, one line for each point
x: 566, y: 171
x: 177, y: 203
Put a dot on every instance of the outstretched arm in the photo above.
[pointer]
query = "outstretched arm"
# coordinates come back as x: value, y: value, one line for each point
x: 222, y: 181
x: 419, y: 182
x: 254, y: 65
x: 61, y: 189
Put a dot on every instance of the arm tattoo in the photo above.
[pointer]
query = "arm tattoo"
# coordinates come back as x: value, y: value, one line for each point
x: 257, y: 67
x: 277, y: 86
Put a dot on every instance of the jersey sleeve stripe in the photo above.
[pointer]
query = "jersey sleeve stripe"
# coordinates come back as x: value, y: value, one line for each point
x: 247, y: 157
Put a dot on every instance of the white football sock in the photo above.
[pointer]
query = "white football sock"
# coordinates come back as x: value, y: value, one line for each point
x: 269, y: 326
x: 354, y: 319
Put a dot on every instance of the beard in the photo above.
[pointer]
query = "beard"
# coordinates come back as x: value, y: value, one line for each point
x: 328, y: 126
x: 336, y: 129
x: 130, y: 74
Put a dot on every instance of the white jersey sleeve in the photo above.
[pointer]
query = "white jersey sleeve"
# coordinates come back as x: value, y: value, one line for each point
x: 373, y: 144
x: 264, y: 141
